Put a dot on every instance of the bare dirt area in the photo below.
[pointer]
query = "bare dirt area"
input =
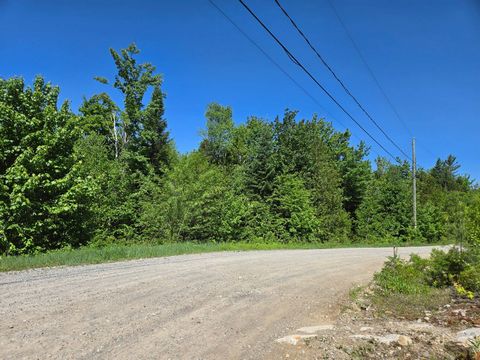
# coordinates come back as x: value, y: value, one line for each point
x: 231, y: 305
x: 362, y: 331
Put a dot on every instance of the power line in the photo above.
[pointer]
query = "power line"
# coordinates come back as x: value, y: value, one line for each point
x: 372, y: 74
x: 299, y: 64
x: 339, y: 80
x: 367, y: 66
x: 277, y: 65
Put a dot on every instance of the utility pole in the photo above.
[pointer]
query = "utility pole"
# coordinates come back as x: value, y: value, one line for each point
x: 414, y: 178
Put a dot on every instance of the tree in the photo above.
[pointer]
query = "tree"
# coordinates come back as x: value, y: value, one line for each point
x: 42, y: 202
x: 445, y: 174
x: 292, y: 203
x: 142, y: 129
x: 99, y: 115
x: 217, y: 142
x: 196, y: 202
x: 473, y: 220
x: 154, y: 136
x: 385, y: 213
x: 115, y: 206
x: 259, y: 164
x: 304, y: 148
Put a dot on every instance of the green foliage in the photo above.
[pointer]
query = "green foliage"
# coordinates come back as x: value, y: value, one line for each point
x: 446, y: 267
x: 455, y: 267
x: 430, y: 223
x: 111, y: 174
x: 292, y: 204
x: 217, y: 143
x: 385, y: 212
x: 303, y: 148
x: 403, y: 288
x: 401, y: 277
x: 195, y: 202
x: 445, y: 175
x: 41, y: 200
x: 115, y: 205
x: 460, y: 269
x: 259, y: 164
x: 472, y: 222
x: 138, y: 130
x: 470, y: 277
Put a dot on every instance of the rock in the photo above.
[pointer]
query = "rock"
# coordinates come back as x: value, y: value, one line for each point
x: 363, y: 337
x: 387, y: 339
x: 461, y: 351
x: 404, y: 340
x: 463, y: 337
x: 420, y: 326
x: 294, y: 339
x: 366, y: 328
x: 314, y: 329
x: 461, y: 312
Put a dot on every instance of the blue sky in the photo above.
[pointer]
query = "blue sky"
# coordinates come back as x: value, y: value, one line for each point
x: 425, y: 54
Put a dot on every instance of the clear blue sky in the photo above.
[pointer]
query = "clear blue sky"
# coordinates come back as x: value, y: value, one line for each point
x: 425, y: 53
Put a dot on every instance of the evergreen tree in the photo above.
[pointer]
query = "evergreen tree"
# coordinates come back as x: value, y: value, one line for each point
x: 154, y: 136
x: 259, y: 163
x: 445, y: 174
x: 292, y: 204
x: 385, y: 213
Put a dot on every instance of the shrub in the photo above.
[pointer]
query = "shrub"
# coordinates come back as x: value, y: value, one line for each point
x: 399, y: 276
x: 470, y: 278
x: 403, y: 288
x: 445, y: 267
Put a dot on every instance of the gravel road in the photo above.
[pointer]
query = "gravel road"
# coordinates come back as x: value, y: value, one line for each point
x: 229, y: 305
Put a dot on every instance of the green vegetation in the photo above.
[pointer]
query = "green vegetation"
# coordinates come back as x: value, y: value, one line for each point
x: 127, y: 251
x: 408, y: 288
x: 109, y: 175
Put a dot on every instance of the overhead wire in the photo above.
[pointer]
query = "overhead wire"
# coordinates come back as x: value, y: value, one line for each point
x: 279, y: 67
x: 299, y: 64
x: 373, y: 76
x: 337, y: 78
x: 367, y: 66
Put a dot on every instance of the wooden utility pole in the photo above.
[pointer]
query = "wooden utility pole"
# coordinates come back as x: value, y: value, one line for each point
x: 414, y: 178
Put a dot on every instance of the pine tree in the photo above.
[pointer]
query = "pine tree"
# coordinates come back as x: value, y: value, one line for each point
x: 154, y: 135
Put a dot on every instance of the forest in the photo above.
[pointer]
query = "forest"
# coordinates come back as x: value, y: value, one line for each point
x: 110, y: 173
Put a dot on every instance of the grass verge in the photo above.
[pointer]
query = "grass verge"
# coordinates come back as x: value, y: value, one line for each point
x: 117, y: 252
x: 411, y: 306
x: 404, y: 288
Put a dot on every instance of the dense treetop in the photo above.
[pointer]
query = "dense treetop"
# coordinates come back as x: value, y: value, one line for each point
x: 110, y: 173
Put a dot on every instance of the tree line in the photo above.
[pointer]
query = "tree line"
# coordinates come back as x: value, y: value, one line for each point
x: 110, y: 173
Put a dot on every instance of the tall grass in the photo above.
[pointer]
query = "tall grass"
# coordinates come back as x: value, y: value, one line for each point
x: 117, y: 252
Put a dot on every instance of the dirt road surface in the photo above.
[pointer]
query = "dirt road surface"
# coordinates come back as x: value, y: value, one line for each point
x: 230, y: 305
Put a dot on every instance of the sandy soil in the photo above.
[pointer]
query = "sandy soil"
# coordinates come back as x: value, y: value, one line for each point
x: 230, y: 305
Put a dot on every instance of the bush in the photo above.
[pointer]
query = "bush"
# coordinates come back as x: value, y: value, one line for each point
x: 402, y: 277
x: 403, y: 284
x: 470, y: 278
x: 445, y: 267
x: 403, y: 288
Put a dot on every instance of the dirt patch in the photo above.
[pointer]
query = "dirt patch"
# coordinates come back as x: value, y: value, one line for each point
x: 364, y: 332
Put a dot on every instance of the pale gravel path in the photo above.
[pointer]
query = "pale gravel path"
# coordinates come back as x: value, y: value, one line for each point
x: 229, y: 305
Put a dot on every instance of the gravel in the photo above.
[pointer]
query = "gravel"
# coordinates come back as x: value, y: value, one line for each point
x: 203, y: 306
